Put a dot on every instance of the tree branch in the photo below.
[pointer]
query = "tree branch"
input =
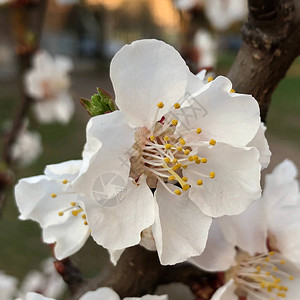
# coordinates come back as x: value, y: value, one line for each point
x: 139, y: 272
x: 271, y: 42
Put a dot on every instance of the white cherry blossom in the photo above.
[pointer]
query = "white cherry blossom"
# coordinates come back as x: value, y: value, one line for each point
x: 260, y: 247
x: 27, y: 147
x: 48, y: 281
x: 50, y: 200
x: 187, y: 140
x: 103, y: 293
x: 48, y: 83
x: 8, y: 286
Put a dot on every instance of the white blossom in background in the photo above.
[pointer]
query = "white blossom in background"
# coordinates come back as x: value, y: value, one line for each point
x: 8, y: 286
x: 27, y: 147
x: 189, y: 141
x: 103, y: 293
x: 48, y: 83
x: 220, y: 13
x: 266, y: 264
x: 50, y: 200
x: 48, y: 281
x: 206, y: 49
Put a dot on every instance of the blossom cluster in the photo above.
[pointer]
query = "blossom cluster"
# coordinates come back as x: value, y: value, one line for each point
x: 176, y: 169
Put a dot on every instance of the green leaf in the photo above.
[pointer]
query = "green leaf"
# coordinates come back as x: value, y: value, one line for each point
x: 99, y: 104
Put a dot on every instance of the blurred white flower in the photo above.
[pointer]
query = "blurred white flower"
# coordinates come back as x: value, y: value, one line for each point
x: 48, y: 282
x: 223, y: 13
x: 50, y: 200
x: 27, y: 147
x: 206, y: 49
x: 266, y: 264
x: 188, y: 141
x: 103, y: 293
x: 48, y: 83
x: 8, y: 286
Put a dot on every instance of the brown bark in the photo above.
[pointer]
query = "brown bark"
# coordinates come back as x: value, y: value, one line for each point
x: 271, y: 42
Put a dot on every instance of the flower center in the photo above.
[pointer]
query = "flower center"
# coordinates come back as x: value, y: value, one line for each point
x: 163, y: 153
x: 75, y: 207
x: 262, y: 276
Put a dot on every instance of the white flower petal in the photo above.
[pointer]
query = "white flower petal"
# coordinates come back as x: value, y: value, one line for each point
x: 35, y: 201
x: 106, y: 156
x: 119, y: 227
x: 219, y: 255
x: 65, y: 170
x: 226, y: 117
x: 8, y: 286
x: 247, y: 230
x: 115, y: 255
x: 180, y: 225
x: 103, y: 293
x: 35, y: 296
x: 261, y: 144
x: 63, y: 63
x: 69, y: 236
x: 145, y: 73
x: 236, y: 183
x: 226, y: 292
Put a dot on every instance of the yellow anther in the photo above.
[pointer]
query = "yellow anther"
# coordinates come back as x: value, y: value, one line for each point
x: 291, y: 278
x: 199, y: 182
x: 160, y: 105
x: 176, y: 167
x: 271, y: 253
x: 258, y: 268
x: 76, y: 212
x: 199, y: 130
x: 85, y: 223
x: 83, y: 216
x: 174, y: 161
x: 232, y: 91
x: 53, y: 195
x: 195, y: 157
x: 152, y: 138
x: 179, y: 148
x: 171, y: 177
x: 209, y: 79
x: 268, y: 273
x: 282, y: 262
x: 61, y: 213
x: 267, y: 259
x: 177, y: 192
x: 212, y: 142
x: 174, y: 122
x: 73, y: 203
x: 204, y: 160
x: 184, y: 166
x: 166, y: 138
x: 190, y: 158
x: 184, y: 179
x: 168, y: 146
x: 167, y: 159
x: 186, y: 151
x: 212, y: 174
x: 198, y: 161
x: 65, y: 181
x: 182, y: 141
x: 176, y: 105
x: 275, y: 269
x: 277, y: 280
x: 186, y: 187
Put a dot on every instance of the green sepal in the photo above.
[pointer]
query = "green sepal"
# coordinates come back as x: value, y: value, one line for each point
x: 99, y: 104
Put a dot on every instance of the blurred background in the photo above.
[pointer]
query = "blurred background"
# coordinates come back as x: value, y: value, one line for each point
x: 90, y: 33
